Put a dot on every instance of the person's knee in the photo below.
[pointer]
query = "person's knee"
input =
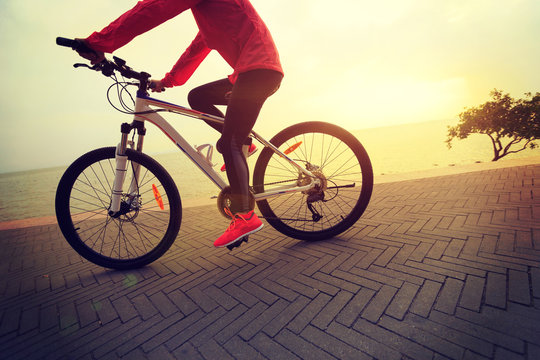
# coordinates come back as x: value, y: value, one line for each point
x: 194, y: 99
x: 220, y: 146
x: 226, y: 145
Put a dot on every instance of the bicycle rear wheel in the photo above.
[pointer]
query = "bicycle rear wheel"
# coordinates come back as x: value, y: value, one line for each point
x: 149, y: 219
x: 343, y: 167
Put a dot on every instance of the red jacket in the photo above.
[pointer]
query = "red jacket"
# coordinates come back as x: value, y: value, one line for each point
x: 232, y: 27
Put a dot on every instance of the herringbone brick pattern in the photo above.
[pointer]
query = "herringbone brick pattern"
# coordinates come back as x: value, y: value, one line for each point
x: 440, y: 268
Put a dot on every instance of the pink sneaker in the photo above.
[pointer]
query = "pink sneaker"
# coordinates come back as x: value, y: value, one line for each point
x: 252, y: 150
x: 240, y: 226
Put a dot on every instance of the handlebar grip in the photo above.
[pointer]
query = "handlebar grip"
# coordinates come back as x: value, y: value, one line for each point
x: 75, y: 44
x: 66, y: 42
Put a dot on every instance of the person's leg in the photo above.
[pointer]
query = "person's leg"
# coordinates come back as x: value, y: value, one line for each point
x: 205, y: 97
x: 248, y: 95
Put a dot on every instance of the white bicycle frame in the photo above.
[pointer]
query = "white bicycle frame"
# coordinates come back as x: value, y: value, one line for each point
x: 145, y: 111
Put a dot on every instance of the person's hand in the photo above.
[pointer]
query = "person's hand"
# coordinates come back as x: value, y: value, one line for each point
x: 156, y: 86
x: 94, y: 56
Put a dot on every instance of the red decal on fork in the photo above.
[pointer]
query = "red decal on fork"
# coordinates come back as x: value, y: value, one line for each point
x: 157, y: 195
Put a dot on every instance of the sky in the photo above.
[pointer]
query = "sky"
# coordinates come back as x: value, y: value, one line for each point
x: 356, y: 63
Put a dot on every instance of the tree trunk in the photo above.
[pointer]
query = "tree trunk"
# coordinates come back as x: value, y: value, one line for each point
x: 496, y: 147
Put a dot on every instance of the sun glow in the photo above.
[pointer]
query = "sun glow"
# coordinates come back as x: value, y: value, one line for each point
x: 359, y: 64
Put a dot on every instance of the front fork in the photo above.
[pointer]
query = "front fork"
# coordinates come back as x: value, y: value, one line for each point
x: 117, y: 208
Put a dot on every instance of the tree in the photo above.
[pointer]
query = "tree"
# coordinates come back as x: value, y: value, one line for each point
x: 512, y: 125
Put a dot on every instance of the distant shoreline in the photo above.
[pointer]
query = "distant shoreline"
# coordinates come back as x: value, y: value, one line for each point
x: 379, y: 179
x: 457, y: 169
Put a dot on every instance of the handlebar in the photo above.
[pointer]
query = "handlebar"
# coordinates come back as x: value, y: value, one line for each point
x: 106, y: 67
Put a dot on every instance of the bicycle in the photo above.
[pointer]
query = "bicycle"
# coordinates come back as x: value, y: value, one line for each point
x: 119, y: 208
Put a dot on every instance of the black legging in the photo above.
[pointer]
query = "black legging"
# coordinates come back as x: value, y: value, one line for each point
x: 244, y: 101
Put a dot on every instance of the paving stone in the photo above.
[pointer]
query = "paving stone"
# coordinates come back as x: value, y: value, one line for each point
x: 271, y: 349
x: 425, y: 299
x: 317, y: 284
x: 281, y: 320
x: 244, y: 320
x: 264, y: 318
x: 332, y: 345
x: 239, y: 349
x: 211, y: 350
x: 87, y: 313
x: 125, y: 309
x: 167, y: 334
x: 471, y: 298
x: 449, y: 296
x: 183, y: 302
x: 518, y: 287
x: 308, y: 313
x: 425, y: 338
x: 221, y: 297
x: 503, y: 354
x: 202, y: 300
x: 300, y: 347
x: 163, y: 304
x: 401, y: 302
x: 10, y: 321
x: 465, y: 326
x: 409, y: 348
x: 533, y: 351
x: 496, y: 290
x: 160, y: 353
x: 353, y: 308
x: 478, y: 345
x: 187, y: 351
x: 215, y: 329
x: 436, y: 268
x: 29, y: 320
x: 379, y: 303
x: 260, y: 293
x: 373, y: 348
x: 535, y: 279
x: 330, y: 311
x: 194, y: 328
x: 297, y: 287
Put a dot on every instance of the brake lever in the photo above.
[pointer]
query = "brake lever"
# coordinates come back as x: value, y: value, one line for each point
x: 102, y: 66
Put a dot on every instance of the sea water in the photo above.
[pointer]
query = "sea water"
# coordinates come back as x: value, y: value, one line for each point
x: 392, y: 150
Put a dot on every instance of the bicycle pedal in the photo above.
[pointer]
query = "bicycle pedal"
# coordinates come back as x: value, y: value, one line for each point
x: 238, y: 243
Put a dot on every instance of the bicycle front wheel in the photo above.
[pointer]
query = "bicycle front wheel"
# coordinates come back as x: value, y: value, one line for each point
x: 342, y: 166
x: 147, y: 224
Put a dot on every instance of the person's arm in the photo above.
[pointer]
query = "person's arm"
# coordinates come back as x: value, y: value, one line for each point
x: 146, y: 15
x: 187, y: 64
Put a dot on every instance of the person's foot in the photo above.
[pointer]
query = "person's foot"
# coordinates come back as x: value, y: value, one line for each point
x: 240, y: 226
x: 252, y: 150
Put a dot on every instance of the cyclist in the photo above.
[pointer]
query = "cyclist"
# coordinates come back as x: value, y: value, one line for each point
x: 235, y: 30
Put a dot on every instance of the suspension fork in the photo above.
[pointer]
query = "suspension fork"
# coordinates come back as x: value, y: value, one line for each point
x: 121, y: 158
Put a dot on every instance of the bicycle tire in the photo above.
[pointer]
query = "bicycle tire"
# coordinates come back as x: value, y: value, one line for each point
x: 142, y: 234
x: 342, y: 161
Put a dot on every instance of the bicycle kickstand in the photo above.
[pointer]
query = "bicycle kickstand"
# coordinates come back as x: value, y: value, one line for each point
x: 238, y: 243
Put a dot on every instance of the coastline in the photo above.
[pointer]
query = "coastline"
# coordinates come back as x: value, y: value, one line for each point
x: 379, y: 179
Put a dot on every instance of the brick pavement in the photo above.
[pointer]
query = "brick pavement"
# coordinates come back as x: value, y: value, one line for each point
x: 439, y: 268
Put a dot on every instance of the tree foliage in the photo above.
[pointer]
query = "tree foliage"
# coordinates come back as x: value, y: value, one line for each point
x: 512, y: 125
